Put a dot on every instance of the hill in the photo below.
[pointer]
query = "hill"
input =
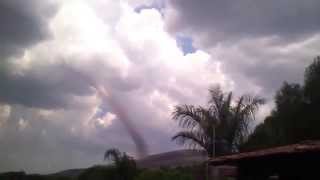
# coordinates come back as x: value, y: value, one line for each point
x: 155, y: 161
x: 172, y: 159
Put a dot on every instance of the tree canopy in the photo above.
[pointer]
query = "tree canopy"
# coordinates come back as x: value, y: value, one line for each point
x: 295, y: 116
x: 124, y: 165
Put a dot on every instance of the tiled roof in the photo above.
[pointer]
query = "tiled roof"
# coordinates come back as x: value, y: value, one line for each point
x: 304, y: 147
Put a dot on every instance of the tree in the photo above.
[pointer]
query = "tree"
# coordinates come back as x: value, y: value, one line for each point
x: 125, y: 165
x: 312, y: 81
x: 164, y: 174
x: 99, y: 173
x: 283, y: 126
x: 295, y: 117
x: 220, y: 127
x: 261, y: 137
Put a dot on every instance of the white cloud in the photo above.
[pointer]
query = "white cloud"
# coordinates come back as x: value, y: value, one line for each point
x: 4, y: 114
x: 135, y: 3
x: 22, y: 124
x: 106, y: 120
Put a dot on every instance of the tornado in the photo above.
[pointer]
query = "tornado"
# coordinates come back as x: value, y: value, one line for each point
x: 141, y: 146
x: 106, y: 96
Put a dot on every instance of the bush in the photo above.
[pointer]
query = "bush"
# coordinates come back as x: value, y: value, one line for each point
x: 163, y: 174
x: 99, y: 173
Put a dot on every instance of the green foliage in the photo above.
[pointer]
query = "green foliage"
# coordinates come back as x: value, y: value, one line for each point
x: 111, y: 173
x: 23, y: 176
x: 312, y: 79
x: 262, y: 137
x: 99, y: 173
x: 296, y: 115
x: 12, y: 175
x: 222, y: 123
x: 163, y: 174
x: 124, y: 165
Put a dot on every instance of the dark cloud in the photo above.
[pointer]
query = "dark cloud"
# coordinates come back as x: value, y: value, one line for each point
x: 45, y: 87
x: 228, y: 20
x: 23, y: 23
x: 266, y: 66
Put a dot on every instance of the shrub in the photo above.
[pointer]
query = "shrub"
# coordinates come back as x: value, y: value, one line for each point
x: 163, y: 174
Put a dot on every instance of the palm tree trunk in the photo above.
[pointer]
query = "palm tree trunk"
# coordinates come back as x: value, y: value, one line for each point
x: 208, y: 171
x: 213, y: 155
x: 213, y: 142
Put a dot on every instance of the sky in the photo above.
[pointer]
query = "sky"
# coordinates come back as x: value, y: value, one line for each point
x: 80, y: 76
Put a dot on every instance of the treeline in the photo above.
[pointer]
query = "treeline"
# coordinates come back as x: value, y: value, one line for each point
x: 24, y: 176
x: 111, y: 173
x: 296, y: 115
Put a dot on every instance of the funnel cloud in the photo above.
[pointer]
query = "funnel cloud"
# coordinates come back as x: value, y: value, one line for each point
x: 141, y: 146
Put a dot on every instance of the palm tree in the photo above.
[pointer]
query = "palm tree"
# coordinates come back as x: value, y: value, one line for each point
x: 125, y: 165
x: 114, y: 155
x: 218, y: 128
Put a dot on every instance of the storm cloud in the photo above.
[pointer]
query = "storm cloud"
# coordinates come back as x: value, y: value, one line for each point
x: 232, y: 20
x: 46, y: 87
x: 23, y: 24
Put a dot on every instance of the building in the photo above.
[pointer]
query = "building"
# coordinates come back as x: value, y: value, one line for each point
x: 293, y: 162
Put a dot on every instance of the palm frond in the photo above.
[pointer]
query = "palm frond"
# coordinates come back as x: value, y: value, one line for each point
x: 208, y: 118
x: 112, y: 154
x: 216, y: 98
x: 229, y: 120
x: 220, y: 103
x: 188, y: 116
x: 250, y: 105
x: 191, y: 138
x: 244, y: 113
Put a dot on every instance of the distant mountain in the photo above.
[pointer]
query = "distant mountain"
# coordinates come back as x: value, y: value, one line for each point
x: 68, y: 173
x: 172, y: 159
x: 167, y: 159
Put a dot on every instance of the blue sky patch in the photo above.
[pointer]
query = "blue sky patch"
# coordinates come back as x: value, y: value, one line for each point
x: 185, y: 44
x: 156, y: 4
